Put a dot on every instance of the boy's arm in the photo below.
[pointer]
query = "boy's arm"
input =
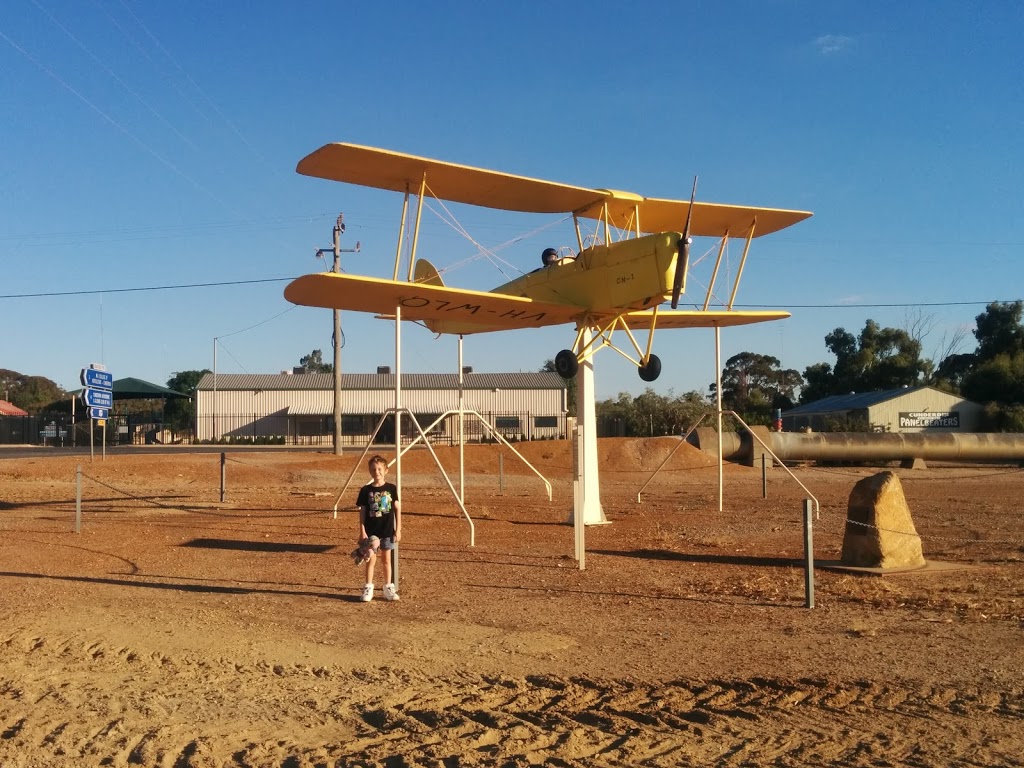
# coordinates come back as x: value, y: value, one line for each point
x: 362, y: 523
x: 361, y: 506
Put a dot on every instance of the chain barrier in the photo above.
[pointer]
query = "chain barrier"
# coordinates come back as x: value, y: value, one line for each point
x: 848, y: 473
x: 239, y: 461
x: 1014, y: 542
x: 191, y: 510
x: 130, y: 495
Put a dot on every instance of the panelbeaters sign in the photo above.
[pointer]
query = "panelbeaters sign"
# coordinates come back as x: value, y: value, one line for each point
x: 948, y: 420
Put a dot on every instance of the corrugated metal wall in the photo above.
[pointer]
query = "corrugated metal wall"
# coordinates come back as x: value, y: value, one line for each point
x: 297, y: 414
x: 886, y: 416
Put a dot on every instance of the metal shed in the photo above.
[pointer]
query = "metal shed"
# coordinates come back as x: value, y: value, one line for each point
x: 298, y: 408
x: 906, y: 410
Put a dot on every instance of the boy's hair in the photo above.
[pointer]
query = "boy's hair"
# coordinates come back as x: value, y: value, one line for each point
x: 378, y: 459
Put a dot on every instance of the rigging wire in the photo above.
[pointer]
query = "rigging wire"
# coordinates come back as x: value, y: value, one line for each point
x: 220, y: 113
x: 139, y: 142
x: 115, y: 76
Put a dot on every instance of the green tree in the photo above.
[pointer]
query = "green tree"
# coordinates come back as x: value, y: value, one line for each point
x: 31, y: 393
x: 999, y: 331
x: 877, y: 359
x: 314, y: 363
x: 951, y: 372
x: 818, y: 382
x: 997, y: 380
x: 892, y: 358
x: 754, y: 384
x: 995, y: 372
x: 614, y: 415
x: 180, y: 415
x: 650, y: 414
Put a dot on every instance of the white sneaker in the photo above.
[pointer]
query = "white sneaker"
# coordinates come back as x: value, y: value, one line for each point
x: 367, y: 595
x: 390, y: 593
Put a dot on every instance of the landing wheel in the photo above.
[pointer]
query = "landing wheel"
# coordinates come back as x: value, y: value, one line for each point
x: 652, y: 370
x: 566, y: 364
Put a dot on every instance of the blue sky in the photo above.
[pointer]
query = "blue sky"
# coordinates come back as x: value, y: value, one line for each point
x: 151, y: 145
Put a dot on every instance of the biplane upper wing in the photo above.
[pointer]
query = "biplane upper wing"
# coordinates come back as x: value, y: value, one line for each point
x: 442, y: 309
x: 384, y: 169
x: 709, y: 219
x: 696, y: 318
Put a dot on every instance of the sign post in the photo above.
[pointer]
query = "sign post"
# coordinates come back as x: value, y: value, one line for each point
x: 98, y: 397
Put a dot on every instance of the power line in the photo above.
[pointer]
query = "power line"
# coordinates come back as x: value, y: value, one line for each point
x: 157, y: 232
x: 139, y: 142
x: 879, y: 306
x: 182, y: 286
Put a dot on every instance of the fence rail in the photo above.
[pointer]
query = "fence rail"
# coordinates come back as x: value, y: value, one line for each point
x: 59, y: 430
x: 356, y: 429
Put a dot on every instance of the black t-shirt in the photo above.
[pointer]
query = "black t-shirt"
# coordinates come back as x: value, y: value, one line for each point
x: 379, y: 503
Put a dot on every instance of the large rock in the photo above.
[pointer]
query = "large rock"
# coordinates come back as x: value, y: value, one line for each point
x: 879, y: 530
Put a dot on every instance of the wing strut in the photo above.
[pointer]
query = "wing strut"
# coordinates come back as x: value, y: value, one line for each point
x: 743, y: 261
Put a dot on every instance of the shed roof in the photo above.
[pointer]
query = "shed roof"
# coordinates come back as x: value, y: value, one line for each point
x: 136, y: 389
x: 852, y: 401
x: 131, y: 388
x: 379, y: 381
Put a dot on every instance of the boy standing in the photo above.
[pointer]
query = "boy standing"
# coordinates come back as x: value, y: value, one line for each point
x: 379, y: 515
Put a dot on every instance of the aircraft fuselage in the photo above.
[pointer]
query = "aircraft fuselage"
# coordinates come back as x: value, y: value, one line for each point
x: 628, y: 275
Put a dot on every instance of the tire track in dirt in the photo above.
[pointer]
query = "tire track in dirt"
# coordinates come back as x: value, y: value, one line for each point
x: 54, y: 711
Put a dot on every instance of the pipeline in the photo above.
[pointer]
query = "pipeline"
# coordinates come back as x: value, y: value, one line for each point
x: 865, y: 446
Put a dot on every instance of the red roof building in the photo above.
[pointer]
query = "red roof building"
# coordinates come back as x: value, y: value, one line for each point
x: 10, y: 409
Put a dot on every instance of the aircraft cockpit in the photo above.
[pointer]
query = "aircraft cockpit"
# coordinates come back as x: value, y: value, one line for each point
x: 550, y: 256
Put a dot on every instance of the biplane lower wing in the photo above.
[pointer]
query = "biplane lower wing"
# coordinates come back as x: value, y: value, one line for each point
x: 696, y: 318
x: 440, y: 308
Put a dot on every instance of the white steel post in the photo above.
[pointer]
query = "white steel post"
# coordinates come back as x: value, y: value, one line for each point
x: 586, y: 417
x: 462, y: 435
x: 718, y: 397
x: 398, y: 428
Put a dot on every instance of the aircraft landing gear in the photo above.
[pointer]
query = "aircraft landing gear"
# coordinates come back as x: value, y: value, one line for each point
x: 566, y: 364
x: 648, y: 372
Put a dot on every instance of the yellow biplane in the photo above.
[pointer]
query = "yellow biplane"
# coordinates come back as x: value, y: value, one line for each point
x: 604, y: 286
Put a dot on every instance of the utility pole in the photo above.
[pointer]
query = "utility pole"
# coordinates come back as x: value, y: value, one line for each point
x: 339, y: 229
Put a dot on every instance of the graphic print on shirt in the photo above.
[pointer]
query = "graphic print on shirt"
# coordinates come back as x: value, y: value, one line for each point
x: 380, y: 503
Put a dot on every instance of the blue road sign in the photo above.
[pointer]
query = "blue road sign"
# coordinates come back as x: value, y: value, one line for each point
x: 98, y: 398
x: 99, y: 413
x: 97, y: 379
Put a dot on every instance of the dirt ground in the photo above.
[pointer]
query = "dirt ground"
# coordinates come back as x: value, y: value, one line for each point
x: 178, y: 630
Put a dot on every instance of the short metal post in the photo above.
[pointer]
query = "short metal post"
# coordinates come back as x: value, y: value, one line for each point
x: 501, y: 474
x: 808, y: 554
x: 223, y: 474
x: 78, y: 499
x: 764, y: 477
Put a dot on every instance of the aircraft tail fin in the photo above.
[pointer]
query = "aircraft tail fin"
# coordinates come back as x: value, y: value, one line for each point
x: 425, y: 272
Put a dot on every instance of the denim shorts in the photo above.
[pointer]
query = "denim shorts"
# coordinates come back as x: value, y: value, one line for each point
x: 387, y: 543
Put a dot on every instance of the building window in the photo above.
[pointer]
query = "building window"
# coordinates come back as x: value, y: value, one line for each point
x: 353, y: 424
x: 505, y: 423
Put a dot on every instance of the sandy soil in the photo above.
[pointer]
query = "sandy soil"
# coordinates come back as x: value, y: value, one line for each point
x: 177, y: 630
